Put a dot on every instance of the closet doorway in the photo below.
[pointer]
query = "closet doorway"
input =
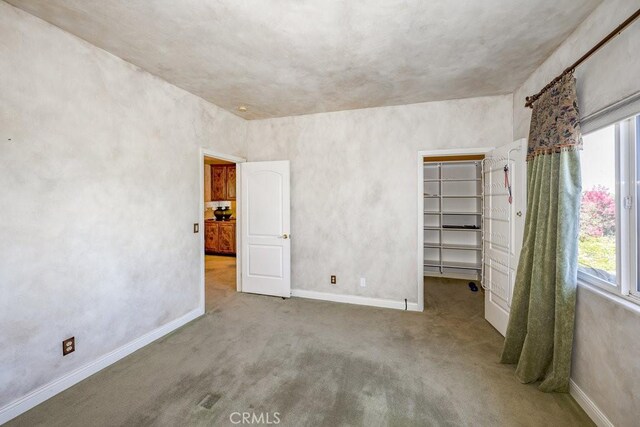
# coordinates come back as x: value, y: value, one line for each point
x: 471, y: 211
x: 453, y: 217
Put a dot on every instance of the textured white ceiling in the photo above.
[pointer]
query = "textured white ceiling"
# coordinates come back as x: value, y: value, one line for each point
x: 289, y: 57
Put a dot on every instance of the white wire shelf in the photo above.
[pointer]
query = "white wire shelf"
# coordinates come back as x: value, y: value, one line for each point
x: 456, y: 265
x: 452, y: 228
x: 453, y: 180
x: 452, y: 163
x: 454, y: 247
x: 431, y: 196
x: 451, y: 213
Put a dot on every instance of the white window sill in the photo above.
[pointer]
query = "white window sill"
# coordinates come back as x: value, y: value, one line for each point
x: 629, y: 303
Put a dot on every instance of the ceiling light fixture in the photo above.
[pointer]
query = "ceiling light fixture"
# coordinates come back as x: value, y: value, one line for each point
x: 242, y: 108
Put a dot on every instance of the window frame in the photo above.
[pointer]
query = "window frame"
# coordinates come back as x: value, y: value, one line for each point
x: 627, y: 159
x: 634, y: 190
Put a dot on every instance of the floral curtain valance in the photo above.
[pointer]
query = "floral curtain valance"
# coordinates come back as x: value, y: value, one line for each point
x: 555, y: 123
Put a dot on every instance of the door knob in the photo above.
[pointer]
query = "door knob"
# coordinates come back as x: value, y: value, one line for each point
x: 285, y: 236
x: 519, y: 213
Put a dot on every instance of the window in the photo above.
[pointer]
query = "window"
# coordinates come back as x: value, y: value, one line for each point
x: 608, y: 254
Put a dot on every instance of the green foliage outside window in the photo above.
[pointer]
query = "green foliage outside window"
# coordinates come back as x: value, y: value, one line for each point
x: 597, y: 245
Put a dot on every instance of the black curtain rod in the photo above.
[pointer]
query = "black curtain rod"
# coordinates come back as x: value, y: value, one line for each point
x: 531, y: 99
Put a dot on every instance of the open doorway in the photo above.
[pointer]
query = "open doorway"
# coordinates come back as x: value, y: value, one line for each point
x: 220, y: 244
x: 471, y: 220
x: 245, y: 209
x: 452, y: 217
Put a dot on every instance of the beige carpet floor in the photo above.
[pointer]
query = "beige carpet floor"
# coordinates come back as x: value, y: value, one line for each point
x: 315, y: 363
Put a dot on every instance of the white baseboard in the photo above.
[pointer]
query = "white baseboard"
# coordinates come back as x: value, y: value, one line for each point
x: 49, y: 390
x: 354, y: 299
x: 589, y: 406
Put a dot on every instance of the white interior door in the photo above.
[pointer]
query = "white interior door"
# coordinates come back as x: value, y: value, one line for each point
x: 503, y: 228
x: 265, y: 222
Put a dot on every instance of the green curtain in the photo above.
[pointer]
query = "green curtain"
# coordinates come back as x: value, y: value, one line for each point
x: 539, y: 336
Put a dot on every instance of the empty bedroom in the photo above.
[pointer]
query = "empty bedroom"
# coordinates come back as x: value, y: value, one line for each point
x: 319, y: 213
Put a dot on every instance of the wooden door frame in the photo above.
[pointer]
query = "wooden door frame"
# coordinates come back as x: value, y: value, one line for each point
x: 205, y: 152
x: 420, y: 249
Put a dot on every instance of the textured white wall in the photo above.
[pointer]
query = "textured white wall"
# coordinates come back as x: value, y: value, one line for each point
x: 608, y: 76
x: 354, y: 186
x: 607, y: 341
x: 99, y: 188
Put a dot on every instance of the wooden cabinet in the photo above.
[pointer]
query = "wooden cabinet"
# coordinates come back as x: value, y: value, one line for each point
x: 220, y: 237
x: 207, y: 183
x: 219, y: 183
x: 227, y: 238
x: 210, y: 236
x: 231, y: 182
x: 223, y: 182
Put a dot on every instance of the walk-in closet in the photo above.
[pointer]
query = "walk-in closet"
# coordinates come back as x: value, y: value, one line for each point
x: 453, y: 207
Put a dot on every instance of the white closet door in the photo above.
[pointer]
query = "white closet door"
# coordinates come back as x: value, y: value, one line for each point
x: 503, y: 228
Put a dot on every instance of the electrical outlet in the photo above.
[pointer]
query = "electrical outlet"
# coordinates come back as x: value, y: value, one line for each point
x: 363, y: 282
x: 333, y: 280
x: 68, y: 346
